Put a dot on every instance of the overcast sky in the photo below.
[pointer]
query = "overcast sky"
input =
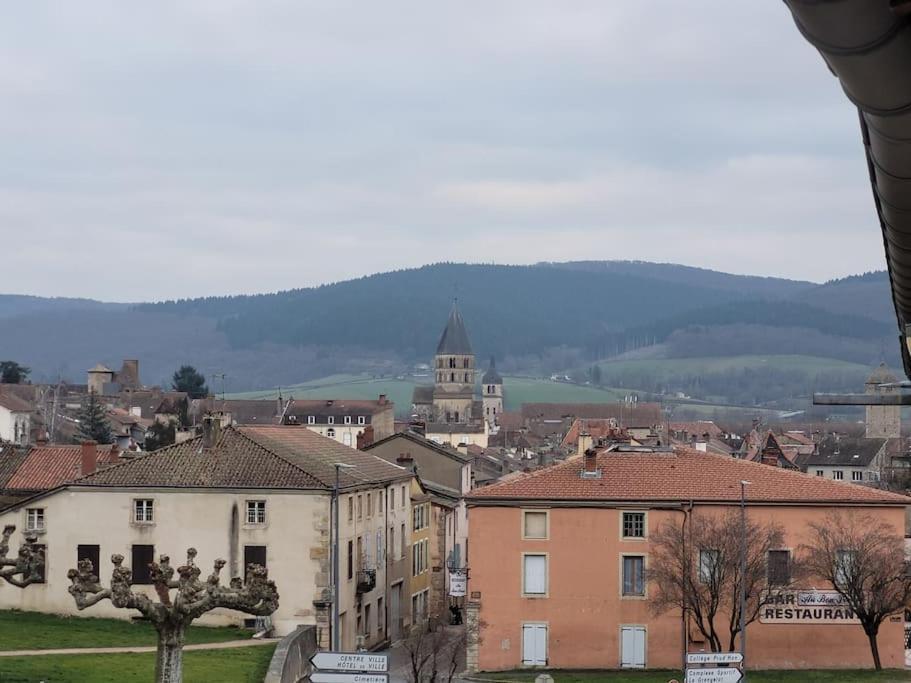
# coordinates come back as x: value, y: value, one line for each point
x: 170, y: 149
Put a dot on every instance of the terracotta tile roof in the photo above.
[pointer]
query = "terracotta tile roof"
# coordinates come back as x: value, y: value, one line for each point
x: 11, y: 457
x: 46, y: 467
x: 698, y: 428
x: 596, y: 428
x: 681, y: 476
x: 270, y: 456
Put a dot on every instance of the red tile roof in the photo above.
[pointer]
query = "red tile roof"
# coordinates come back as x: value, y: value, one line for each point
x: 629, y: 415
x: 46, y: 467
x: 597, y: 429
x: 680, y: 476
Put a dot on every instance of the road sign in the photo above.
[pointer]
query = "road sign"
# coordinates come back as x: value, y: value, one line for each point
x: 364, y: 662
x: 713, y: 675
x: 335, y: 677
x: 713, y: 658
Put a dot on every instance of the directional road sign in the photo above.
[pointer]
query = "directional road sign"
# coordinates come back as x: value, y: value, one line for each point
x: 713, y: 658
x: 363, y: 662
x: 713, y: 675
x: 335, y: 677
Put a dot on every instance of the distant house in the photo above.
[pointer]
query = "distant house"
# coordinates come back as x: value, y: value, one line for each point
x: 770, y: 452
x: 857, y: 459
x: 15, y: 419
x: 555, y: 419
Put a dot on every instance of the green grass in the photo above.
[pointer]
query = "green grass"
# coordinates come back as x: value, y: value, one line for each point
x: 839, y: 676
x: 241, y: 665
x: 36, y: 631
x: 701, y: 366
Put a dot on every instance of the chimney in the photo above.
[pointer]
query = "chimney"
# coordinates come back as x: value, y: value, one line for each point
x: 382, y: 399
x: 585, y: 442
x: 89, y: 458
x: 211, y: 428
x: 590, y: 464
x: 406, y: 461
x: 365, y: 438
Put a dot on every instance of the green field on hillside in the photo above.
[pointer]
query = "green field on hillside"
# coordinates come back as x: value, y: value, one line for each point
x: 678, y: 366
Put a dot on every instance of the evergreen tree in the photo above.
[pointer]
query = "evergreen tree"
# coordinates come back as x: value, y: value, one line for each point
x: 190, y: 380
x: 93, y: 423
x: 160, y: 435
x: 12, y: 372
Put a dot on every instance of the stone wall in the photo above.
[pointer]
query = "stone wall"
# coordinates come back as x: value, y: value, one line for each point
x: 291, y: 661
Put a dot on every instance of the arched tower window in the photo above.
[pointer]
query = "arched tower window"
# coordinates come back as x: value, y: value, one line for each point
x: 465, y: 363
x: 467, y: 381
x: 452, y: 362
x: 452, y: 377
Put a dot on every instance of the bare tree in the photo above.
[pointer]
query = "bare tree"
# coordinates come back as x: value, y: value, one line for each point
x: 435, y: 653
x: 28, y: 565
x: 695, y: 567
x: 172, y: 615
x: 866, y: 565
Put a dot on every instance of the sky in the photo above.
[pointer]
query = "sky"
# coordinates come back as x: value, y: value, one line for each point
x: 203, y: 147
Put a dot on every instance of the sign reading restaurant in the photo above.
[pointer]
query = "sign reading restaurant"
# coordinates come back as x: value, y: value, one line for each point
x: 806, y: 607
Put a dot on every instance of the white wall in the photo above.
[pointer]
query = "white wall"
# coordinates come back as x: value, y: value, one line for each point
x: 199, y: 519
x: 8, y: 426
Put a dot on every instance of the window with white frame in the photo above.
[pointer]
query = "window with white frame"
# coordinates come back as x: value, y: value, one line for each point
x: 838, y: 475
x: 361, y: 420
x: 256, y: 512
x: 331, y: 420
x: 347, y: 419
x: 34, y: 519
x: 857, y: 475
x: 330, y: 433
x: 534, y: 574
x: 143, y: 510
x: 633, y: 525
x: 534, y: 524
x: 311, y: 419
x: 633, y: 575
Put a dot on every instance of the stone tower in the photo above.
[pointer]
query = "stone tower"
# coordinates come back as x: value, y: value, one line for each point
x: 882, y: 422
x: 492, y: 393
x: 453, y: 389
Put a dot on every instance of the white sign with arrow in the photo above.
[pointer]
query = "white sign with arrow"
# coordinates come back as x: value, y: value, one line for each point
x: 363, y: 662
x: 335, y: 677
x: 713, y: 658
x: 713, y: 675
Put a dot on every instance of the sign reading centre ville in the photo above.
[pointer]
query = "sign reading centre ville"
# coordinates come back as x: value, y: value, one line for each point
x: 806, y: 607
x: 361, y: 662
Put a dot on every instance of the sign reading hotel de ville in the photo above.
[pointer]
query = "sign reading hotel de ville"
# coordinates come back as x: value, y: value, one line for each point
x: 806, y: 607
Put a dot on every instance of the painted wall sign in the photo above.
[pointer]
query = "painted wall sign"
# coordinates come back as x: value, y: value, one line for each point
x: 806, y: 607
x: 458, y: 583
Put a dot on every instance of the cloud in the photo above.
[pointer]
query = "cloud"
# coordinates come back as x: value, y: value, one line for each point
x: 201, y: 147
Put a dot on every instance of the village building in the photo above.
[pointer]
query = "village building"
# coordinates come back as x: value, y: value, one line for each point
x: 855, y: 459
x: 255, y: 494
x: 641, y: 420
x: 15, y: 419
x: 559, y: 561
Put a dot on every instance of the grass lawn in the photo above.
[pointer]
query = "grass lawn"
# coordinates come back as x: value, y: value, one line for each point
x: 36, y: 631
x: 846, y: 676
x: 241, y: 665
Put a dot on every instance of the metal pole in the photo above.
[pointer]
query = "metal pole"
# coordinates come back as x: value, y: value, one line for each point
x: 335, y: 581
x: 743, y: 589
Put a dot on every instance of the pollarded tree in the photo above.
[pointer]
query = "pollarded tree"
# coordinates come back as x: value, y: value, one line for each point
x: 696, y: 568
x: 866, y: 565
x: 28, y: 566
x: 172, y: 614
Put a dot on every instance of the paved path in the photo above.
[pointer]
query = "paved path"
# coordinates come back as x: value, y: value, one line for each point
x: 119, y: 650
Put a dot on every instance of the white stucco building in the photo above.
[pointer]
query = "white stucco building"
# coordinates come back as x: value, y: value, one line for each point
x: 248, y: 495
x: 15, y: 419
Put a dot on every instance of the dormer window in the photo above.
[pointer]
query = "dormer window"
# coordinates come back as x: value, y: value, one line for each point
x: 347, y: 419
x: 361, y: 420
x: 311, y: 419
x: 331, y: 419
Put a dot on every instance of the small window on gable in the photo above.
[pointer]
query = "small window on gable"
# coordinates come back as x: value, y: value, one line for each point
x: 534, y: 524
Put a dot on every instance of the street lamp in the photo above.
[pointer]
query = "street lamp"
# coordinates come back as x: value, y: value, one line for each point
x: 336, y: 584
x: 743, y: 582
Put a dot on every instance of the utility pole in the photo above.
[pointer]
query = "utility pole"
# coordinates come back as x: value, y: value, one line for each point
x: 336, y: 583
x: 743, y: 583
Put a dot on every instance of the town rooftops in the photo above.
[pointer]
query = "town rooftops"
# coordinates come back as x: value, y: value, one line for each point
x: 423, y: 442
x: 454, y: 340
x: 48, y: 466
x: 681, y: 476
x: 262, y: 456
x: 629, y: 415
x: 14, y: 404
x: 844, y: 451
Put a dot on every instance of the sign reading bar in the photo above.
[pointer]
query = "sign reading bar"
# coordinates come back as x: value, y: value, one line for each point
x: 713, y: 675
x: 365, y: 662
x: 713, y: 658
x: 806, y: 607
x: 335, y: 677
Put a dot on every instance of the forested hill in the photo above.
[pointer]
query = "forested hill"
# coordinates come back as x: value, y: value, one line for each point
x: 536, y: 319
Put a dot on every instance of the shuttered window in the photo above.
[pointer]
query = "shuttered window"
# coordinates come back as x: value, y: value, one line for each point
x: 534, y: 574
x: 142, y: 557
x: 535, y: 524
